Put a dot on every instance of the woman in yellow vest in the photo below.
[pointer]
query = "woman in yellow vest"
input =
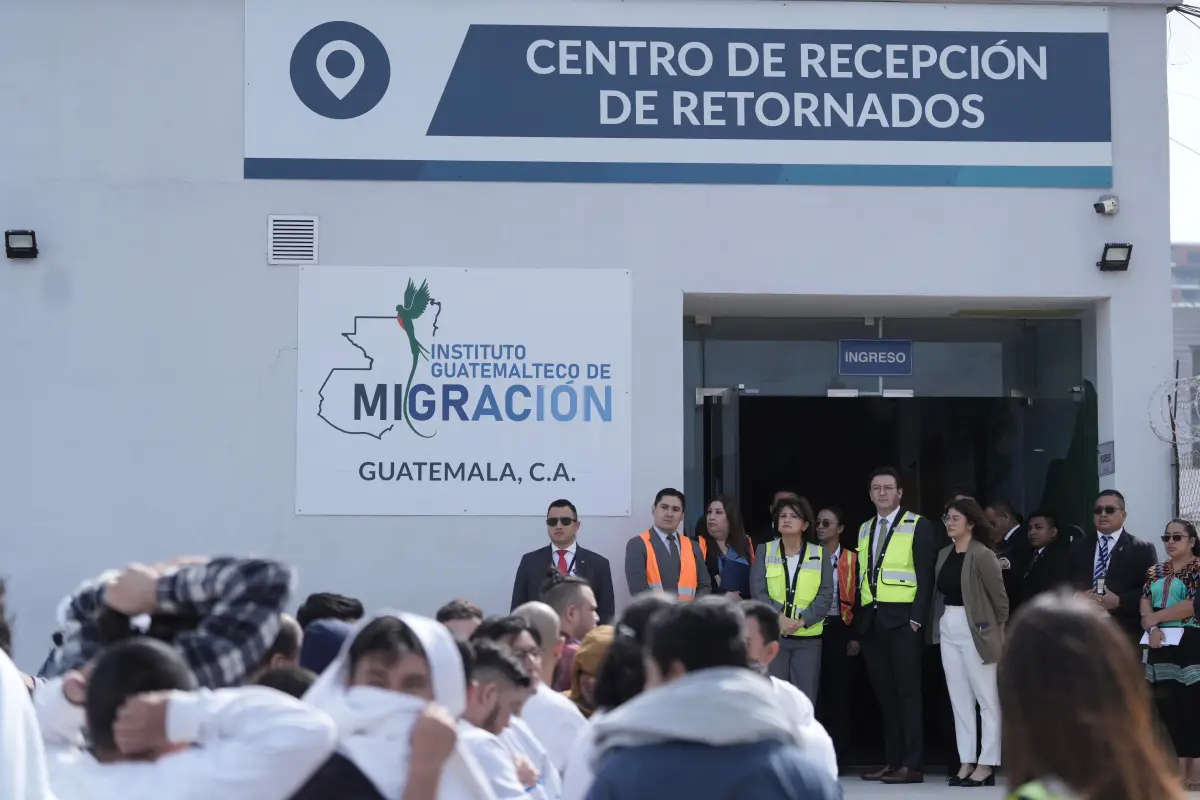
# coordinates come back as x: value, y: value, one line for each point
x: 1076, y: 710
x: 794, y: 577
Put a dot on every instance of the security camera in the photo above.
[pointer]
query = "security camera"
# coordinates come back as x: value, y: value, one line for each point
x: 1106, y: 205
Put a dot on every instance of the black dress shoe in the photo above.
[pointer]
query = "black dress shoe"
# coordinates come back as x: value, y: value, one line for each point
x: 878, y: 774
x: 990, y: 780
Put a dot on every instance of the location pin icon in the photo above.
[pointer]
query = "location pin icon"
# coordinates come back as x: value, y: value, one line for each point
x: 340, y: 87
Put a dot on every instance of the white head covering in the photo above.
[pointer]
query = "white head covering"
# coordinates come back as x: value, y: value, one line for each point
x: 375, y: 725
x: 23, y: 773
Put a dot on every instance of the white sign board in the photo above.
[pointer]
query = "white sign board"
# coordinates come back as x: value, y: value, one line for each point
x: 426, y: 391
x: 1108, y: 459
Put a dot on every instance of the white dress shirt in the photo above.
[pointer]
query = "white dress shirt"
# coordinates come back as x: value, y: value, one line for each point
x: 835, y: 610
x: 1010, y: 533
x: 570, y: 557
x: 882, y: 526
x: 679, y: 537
x: 1112, y: 546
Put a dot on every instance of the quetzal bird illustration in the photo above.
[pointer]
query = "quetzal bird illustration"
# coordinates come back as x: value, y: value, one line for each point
x: 415, y: 302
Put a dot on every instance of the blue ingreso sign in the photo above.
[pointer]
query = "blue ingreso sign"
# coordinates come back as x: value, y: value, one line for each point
x: 721, y: 83
x: 875, y: 357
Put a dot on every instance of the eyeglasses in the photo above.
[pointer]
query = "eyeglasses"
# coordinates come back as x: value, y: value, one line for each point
x: 883, y: 489
x: 1174, y: 537
x: 825, y: 523
x: 564, y: 521
x: 1109, y: 510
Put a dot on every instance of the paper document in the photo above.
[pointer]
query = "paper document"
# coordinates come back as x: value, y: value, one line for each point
x: 1173, y: 635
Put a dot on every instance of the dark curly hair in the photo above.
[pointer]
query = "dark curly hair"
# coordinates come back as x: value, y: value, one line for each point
x: 622, y: 673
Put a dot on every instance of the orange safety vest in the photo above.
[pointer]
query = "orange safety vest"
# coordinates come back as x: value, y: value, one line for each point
x: 847, y: 579
x: 688, y: 582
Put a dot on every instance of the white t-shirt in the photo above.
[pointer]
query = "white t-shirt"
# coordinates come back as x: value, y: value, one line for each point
x: 518, y: 739
x: 578, y: 776
x: 494, y: 760
x: 555, y: 721
x: 815, y: 740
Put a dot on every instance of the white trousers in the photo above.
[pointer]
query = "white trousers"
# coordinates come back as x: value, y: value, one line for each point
x: 969, y: 681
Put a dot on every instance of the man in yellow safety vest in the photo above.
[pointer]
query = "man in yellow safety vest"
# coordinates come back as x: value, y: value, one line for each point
x: 897, y: 550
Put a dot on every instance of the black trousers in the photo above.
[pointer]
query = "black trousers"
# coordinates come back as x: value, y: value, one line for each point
x: 893, y: 658
x: 834, y: 698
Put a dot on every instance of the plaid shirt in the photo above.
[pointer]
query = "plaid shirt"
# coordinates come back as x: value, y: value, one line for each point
x: 237, y: 600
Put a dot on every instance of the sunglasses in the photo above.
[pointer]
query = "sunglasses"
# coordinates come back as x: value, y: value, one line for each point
x: 825, y: 523
x: 564, y: 521
x: 1109, y: 510
x: 1174, y: 537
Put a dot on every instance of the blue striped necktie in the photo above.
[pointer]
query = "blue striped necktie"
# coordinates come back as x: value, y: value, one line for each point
x: 1101, y: 562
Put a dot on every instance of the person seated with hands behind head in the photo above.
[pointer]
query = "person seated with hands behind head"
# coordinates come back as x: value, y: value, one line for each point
x: 152, y: 734
x: 221, y: 614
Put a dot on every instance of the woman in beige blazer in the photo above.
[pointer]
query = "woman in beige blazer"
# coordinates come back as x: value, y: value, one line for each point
x: 971, y: 607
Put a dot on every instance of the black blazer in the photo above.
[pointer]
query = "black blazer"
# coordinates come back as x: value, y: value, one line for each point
x: 1045, y: 573
x: 536, y: 565
x: 1128, y: 564
x: 895, y: 615
x: 1018, y: 551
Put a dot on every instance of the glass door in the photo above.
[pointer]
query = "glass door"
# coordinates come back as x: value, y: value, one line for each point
x: 722, y: 443
x: 1062, y: 473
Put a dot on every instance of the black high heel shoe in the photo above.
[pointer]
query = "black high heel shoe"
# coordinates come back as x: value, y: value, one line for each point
x: 954, y: 780
x: 990, y: 780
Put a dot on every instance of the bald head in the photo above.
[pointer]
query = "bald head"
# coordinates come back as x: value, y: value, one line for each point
x: 545, y: 621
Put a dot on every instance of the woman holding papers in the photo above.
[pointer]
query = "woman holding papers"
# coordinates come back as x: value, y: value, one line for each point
x: 1173, y: 634
x: 727, y: 553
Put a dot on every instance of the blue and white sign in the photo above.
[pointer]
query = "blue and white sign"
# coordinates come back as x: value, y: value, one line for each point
x: 441, y: 392
x: 887, y: 358
x: 714, y: 92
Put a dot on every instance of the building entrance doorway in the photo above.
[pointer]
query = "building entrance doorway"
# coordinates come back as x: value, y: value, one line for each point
x: 824, y: 448
x: 999, y: 412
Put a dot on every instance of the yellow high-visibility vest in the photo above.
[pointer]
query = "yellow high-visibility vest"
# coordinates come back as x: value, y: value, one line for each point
x: 808, y: 582
x: 895, y: 577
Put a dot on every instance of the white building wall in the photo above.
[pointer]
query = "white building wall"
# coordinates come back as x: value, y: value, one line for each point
x: 149, y: 353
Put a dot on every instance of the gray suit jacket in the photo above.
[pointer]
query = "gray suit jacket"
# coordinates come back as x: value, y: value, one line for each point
x: 635, y: 566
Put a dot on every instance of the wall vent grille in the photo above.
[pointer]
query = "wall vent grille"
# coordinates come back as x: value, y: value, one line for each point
x: 291, y: 240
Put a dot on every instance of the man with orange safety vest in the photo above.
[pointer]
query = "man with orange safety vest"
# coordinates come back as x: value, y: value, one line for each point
x: 663, y: 559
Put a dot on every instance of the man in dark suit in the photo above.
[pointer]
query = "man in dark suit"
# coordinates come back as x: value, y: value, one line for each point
x: 1012, y: 544
x: 565, y: 557
x: 1110, y: 565
x: 896, y: 557
x: 1048, y: 565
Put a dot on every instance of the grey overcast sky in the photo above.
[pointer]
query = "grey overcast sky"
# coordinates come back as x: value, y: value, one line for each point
x: 1183, y: 82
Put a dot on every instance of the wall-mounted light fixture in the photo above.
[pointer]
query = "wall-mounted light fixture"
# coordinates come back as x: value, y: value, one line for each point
x: 20, y: 244
x: 1115, y: 257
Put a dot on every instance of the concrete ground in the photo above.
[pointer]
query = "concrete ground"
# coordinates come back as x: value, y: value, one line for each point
x: 855, y: 788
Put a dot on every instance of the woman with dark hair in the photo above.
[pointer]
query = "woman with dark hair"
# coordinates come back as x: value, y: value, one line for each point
x: 727, y: 546
x: 792, y: 575
x: 1076, y: 709
x: 971, y: 608
x: 621, y: 677
x: 838, y: 643
x: 1168, y: 604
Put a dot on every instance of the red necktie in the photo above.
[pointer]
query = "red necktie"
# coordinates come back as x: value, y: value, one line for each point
x: 562, y: 562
